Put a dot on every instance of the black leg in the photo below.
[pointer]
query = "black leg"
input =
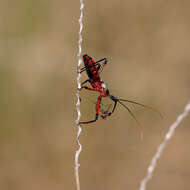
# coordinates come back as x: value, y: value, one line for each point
x: 97, y: 112
x: 86, y: 122
x: 85, y: 82
x: 115, y: 104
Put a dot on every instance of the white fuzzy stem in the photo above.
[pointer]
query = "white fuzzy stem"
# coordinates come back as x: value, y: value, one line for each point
x: 78, y: 97
x: 161, y: 147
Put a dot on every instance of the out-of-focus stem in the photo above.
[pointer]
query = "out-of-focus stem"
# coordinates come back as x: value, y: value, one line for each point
x: 161, y: 147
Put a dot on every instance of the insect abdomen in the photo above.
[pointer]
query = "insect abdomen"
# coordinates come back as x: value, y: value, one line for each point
x: 90, y: 66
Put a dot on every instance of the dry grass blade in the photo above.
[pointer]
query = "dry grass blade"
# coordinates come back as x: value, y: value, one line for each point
x: 161, y: 147
x: 78, y: 97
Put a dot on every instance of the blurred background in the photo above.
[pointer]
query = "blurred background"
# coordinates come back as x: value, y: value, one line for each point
x: 147, y: 44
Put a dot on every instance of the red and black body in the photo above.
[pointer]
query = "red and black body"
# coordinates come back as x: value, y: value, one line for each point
x: 93, y: 70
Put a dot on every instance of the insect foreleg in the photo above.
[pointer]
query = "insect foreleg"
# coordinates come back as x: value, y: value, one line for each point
x: 115, y: 104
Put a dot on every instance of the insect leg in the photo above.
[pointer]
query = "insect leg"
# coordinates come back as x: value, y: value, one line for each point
x: 113, y: 98
x: 98, y: 104
x: 97, y: 112
x: 107, y: 113
x: 115, y: 104
x: 84, y: 82
x: 91, y: 89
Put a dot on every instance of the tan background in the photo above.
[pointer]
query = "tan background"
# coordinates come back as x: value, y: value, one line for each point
x: 147, y: 44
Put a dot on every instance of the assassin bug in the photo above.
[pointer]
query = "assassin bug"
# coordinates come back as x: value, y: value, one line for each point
x: 93, y: 70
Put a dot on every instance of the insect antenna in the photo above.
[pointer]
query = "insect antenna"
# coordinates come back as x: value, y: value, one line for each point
x: 96, y: 63
x: 131, y: 113
x: 145, y: 106
x: 84, y: 68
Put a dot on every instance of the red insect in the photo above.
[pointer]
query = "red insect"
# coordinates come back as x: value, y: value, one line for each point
x: 93, y: 70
